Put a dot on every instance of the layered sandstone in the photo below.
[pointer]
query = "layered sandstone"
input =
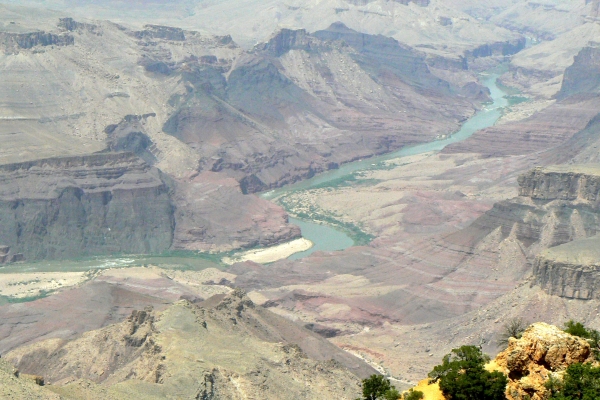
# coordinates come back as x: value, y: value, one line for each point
x: 580, y: 183
x: 571, y: 270
x: 11, y: 43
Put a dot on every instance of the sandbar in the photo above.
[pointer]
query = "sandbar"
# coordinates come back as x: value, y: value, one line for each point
x: 271, y: 254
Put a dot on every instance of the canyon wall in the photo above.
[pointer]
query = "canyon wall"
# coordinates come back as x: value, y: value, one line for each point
x: 571, y: 270
x: 571, y: 267
x: 78, y: 206
x: 584, y: 75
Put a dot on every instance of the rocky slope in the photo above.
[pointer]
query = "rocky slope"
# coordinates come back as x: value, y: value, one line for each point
x: 309, y: 109
x: 237, y: 349
x: 15, y: 386
x: 212, y: 214
x: 304, y: 103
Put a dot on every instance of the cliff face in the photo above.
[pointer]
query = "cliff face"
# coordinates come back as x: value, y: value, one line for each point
x: 12, y: 42
x: 507, y: 48
x: 571, y: 270
x: 572, y: 183
x: 556, y: 205
x: 77, y: 206
x: 584, y: 75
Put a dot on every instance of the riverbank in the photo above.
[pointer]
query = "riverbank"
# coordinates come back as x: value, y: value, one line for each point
x: 305, y: 199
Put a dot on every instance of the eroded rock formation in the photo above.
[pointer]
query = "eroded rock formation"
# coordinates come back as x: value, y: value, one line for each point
x: 224, y: 347
x: 543, y: 350
x: 571, y: 270
x: 12, y: 42
x: 556, y: 205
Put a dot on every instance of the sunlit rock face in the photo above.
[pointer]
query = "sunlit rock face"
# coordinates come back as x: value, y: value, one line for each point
x: 544, y: 349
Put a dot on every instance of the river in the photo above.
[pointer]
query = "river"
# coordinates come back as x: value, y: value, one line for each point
x: 324, y: 237
x: 327, y: 238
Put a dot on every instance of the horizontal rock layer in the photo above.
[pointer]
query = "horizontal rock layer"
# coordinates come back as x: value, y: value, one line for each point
x: 77, y: 206
x: 562, y: 182
x: 571, y: 270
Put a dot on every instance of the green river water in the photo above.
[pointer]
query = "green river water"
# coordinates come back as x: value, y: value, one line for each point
x: 325, y: 238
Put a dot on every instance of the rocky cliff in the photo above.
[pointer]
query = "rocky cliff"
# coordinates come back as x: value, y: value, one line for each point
x: 11, y: 42
x: 76, y: 206
x: 571, y: 270
x: 556, y: 205
x: 579, y: 183
x: 224, y: 347
x: 507, y: 48
x: 584, y: 75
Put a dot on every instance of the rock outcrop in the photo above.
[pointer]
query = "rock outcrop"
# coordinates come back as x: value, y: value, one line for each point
x: 556, y: 205
x: 570, y: 198
x: 12, y: 42
x: 571, y: 270
x: 76, y: 206
x: 130, y: 136
x: 497, y: 49
x: 543, y: 350
x: 224, y: 347
x: 579, y: 183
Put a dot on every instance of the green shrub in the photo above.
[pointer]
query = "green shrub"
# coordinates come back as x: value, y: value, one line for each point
x: 377, y: 387
x: 462, y: 376
x: 592, y: 335
x: 576, y: 329
x: 413, y: 395
x: 581, y: 381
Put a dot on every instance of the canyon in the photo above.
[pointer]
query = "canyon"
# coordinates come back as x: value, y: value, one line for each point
x: 137, y: 155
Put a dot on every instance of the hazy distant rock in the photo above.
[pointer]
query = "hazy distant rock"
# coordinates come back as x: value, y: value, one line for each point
x: 584, y: 75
